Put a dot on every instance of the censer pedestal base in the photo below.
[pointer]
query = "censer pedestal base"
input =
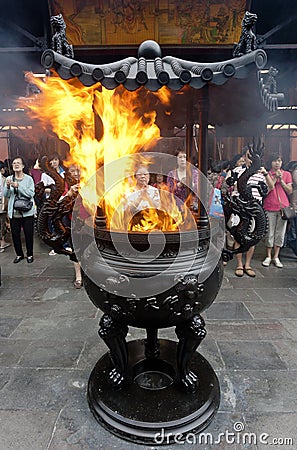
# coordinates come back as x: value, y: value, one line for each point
x: 151, y: 409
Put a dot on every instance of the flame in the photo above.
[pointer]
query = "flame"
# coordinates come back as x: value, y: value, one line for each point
x: 126, y: 131
x: 102, y: 126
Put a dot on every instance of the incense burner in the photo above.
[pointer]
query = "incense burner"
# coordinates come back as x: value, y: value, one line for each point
x: 152, y: 370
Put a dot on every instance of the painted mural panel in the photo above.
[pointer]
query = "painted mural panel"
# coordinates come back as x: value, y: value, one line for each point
x: 129, y: 22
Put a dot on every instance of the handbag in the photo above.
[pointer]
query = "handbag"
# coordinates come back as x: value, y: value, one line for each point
x: 288, y: 213
x: 22, y: 204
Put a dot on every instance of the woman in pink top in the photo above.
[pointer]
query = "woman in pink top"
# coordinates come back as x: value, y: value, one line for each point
x: 279, y: 183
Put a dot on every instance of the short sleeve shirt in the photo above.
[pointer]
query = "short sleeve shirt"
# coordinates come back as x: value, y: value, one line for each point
x: 277, y: 198
x: 254, y: 179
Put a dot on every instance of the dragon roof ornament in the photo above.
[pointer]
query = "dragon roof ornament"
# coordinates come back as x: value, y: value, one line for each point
x: 268, y: 89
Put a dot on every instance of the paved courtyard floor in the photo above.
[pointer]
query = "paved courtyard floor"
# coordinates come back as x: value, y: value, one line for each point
x: 49, y: 345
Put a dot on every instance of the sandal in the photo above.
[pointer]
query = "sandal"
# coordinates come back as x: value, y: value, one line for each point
x: 249, y: 271
x: 239, y: 272
x: 77, y: 284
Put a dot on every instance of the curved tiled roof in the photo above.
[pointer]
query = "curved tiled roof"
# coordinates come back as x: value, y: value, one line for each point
x: 152, y: 70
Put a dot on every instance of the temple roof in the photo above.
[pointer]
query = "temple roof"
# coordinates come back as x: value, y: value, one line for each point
x: 243, y: 93
x: 153, y: 71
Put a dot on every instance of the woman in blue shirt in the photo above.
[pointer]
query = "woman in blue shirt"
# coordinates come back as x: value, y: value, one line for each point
x: 22, y: 185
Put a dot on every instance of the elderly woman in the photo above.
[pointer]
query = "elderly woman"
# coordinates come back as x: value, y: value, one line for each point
x: 20, y: 185
x: 140, y: 197
x: 143, y: 195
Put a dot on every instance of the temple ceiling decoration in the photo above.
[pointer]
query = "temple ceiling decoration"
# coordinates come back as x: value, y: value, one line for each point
x: 116, y: 22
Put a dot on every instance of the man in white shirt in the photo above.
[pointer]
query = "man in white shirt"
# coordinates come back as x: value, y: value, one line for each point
x: 47, y: 181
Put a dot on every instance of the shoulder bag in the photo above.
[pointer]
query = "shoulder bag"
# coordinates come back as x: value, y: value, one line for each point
x: 287, y: 212
x: 22, y: 204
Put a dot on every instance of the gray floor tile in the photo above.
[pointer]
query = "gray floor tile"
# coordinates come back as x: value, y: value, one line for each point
x: 11, y: 351
x: 272, y: 282
x: 8, y: 325
x: 276, y: 295
x: 209, y: 349
x: 92, y: 351
x: 67, y: 272
x: 237, y: 295
x: 275, y: 430
x: 79, y: 430
x: 72, y: 310
x: 54, y: 293
x: 20, y: 285
x: 26, y: 308
x: 246, y: 355
x: 5, y: 376
x: 232, y: 398
x: 11, y: 270
x: 258, y: 391
x: 281, y: 310
x: 52, y: 354
x: 27, y: 292
x: 260, y: 329
x: 287, y: 351
x: 272, y: 330
x: 56, y: 328
x: 26, y: 430
x: 66, y: 293
x: 272, y: 271
x: 228, y: 311
x: 43, y: 389
x: 291, y: 326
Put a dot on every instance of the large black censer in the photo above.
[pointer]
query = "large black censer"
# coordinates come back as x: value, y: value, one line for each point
x: 149, y: 390
x: 149, y: 386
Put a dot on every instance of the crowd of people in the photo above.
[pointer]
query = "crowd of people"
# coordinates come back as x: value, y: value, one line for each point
x: 150, y: 190
x: 17, y: 182
x: 20, y: 182
x: 282, y: 191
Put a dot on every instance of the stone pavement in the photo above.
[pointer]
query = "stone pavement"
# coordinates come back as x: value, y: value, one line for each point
x: 49, y: 345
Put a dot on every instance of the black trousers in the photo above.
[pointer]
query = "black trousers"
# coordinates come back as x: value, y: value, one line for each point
x: 16, y: 224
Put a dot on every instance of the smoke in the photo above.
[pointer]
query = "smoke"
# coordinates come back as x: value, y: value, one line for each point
x: 19, y: 20
x: 13, y: 66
